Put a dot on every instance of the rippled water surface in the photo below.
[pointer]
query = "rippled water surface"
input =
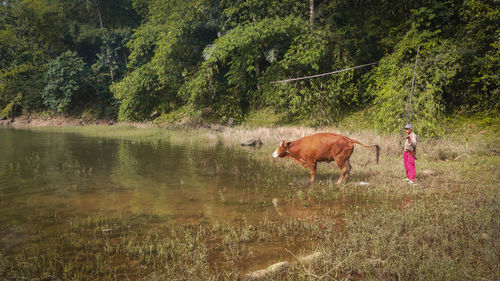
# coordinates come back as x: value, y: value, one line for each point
x: 46, y: 173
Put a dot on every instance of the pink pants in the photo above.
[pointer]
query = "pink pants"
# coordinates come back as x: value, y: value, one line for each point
x: 409, y: 165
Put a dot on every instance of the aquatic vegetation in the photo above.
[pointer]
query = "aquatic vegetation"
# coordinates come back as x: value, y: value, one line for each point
x: 78, y: 169
x: 30, y: 167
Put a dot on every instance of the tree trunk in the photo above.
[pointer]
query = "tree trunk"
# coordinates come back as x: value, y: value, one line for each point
x: 108, y: 56
x: 100, y: 18
x: 311, y: 14
x: 98, y: 13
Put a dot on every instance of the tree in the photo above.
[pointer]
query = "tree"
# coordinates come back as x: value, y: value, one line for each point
x: 227, y: 81
x: 110, y: 66
x: 438, y: 67
x: 64, y: 81
x: 30, y: 31
x: 35, y: 32
x: 164, y: 51
x: 478, y: 85
x: 217, y: 59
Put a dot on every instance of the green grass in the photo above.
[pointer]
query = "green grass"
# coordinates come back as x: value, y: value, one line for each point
x: 263, y: 118
x: 445, y: 228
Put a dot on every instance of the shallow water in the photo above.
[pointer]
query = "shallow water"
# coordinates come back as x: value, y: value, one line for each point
x: 48, y: 180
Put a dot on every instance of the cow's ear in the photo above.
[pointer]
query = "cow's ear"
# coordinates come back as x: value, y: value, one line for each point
x: 282, y: 143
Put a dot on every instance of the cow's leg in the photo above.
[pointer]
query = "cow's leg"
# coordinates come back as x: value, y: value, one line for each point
x: 343, y: 162
x: 343, y: 170
x: 312, y: 171
x: 343, y: 174
x: 348, y: 170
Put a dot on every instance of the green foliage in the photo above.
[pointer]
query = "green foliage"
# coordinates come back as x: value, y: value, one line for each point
x: 392, y: 87
x: 110, y: 64
x: 322, y: 100
x: 29, y: 32
x: 448, y: 75
x: 109, y: 67
x: 24, y: 78
x: 139, y: 93
x: 218, y: 58
x: 265, y: 117
x: 64, y: 80
x: 10, y: 109
x: 481, y: 48
x: 243, y: 12
x: 438, y: 64
x: 225, y: 81
x: 164, y: 50
x: 33, y: 33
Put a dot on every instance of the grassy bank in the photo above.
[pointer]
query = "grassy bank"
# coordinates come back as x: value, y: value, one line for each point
x: 445, y: 228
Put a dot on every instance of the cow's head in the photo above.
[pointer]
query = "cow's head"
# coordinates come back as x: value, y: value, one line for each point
x: 282, y: 149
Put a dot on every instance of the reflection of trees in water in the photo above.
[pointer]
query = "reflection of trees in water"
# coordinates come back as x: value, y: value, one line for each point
x: 165, y: 179
x: 91, y: 175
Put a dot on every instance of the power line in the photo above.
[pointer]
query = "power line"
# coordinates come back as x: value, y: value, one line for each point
x: 409, y: 106
x: 323, y: 74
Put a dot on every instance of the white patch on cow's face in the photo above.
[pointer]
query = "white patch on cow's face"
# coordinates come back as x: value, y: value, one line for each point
x: 275, y: 153
x: 280, y: 150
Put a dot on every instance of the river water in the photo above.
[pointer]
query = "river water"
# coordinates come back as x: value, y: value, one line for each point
x: 47, y: 173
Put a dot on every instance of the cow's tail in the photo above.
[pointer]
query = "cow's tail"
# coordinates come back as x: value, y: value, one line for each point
x: 377, y: 148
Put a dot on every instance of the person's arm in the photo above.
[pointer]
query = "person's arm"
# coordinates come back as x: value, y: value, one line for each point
x: 413, y: 140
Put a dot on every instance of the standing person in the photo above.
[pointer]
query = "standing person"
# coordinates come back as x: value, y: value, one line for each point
x: 409, y: 153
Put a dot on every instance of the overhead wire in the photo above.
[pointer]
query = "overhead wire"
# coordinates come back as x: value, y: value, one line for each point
x: 409, y: 105
x: 322, y: 74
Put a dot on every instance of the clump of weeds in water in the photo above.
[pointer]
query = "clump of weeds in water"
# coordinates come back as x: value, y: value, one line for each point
x: 222, y: 199
x: 29, y: 168
x: 78, y: 169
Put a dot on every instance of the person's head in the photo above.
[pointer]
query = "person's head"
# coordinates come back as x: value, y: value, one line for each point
x: 408, y: 128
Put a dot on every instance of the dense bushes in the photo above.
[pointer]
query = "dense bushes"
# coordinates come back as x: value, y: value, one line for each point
x: 54, y: 51
x: 64, y: 81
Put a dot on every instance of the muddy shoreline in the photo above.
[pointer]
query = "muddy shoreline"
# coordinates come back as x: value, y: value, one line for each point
x: 27, y: 121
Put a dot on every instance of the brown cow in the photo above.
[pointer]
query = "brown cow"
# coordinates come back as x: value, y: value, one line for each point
x: 322, y: 147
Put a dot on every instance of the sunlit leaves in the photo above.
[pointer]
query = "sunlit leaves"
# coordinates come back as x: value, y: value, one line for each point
x: 64, y: 80
x: 164, y: 49
x: 438, y: 64
x: 217, y: 59
x: 230, y: 73
x: 138, y: 93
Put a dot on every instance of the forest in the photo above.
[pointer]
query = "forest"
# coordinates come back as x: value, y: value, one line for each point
x: 213, y: 61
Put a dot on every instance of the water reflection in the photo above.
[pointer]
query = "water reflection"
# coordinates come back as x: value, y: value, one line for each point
x: 43, y: 173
